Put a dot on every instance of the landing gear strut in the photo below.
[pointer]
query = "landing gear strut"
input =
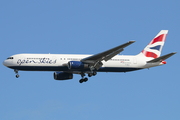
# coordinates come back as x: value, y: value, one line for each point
x: 17, y: 75
x: 83, y: 79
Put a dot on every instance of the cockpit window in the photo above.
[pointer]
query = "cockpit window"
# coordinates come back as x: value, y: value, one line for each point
x: 10, y: 58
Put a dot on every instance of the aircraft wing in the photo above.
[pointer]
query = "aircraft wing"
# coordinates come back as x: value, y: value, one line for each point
x: 95, y: 60
x: 159, y: 59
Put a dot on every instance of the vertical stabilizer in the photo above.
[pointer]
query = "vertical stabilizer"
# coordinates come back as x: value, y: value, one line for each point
x: 154, y: 48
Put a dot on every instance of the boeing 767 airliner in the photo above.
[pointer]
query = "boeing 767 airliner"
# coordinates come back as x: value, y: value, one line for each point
x: 65, y: 65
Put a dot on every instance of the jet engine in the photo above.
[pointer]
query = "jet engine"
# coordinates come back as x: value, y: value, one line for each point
x: 62, y: 76
x: 77, y: 65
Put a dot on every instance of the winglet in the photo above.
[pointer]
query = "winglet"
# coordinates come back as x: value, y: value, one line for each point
x: 162, y: 58
x: 132, y: 41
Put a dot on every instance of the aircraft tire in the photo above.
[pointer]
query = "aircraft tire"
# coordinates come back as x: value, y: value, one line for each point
x: 94, y: 73
x: 90, y: 75
x: 85, y: 79
x: 81, y: 81
x: 17, y: 76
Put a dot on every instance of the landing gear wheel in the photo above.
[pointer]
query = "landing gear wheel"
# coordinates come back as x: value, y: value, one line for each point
x: 94, y: 73
x: 17, y: 75
x: 85, y: 79
x: 90, y: 75
x: 81, y: 81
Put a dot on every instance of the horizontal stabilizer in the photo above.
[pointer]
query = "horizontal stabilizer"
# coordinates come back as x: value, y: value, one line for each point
x: 159, y: 59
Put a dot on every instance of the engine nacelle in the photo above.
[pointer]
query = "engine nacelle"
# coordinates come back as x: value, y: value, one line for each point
x: 77, y: 65
x: 62, y: 76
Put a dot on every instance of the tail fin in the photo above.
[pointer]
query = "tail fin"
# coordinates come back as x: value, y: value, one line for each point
x: 154, y: 48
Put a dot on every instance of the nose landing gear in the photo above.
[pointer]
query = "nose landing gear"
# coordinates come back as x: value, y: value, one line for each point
x: 17, y: 75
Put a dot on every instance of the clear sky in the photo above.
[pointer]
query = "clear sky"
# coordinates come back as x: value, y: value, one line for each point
x: 89, y: 27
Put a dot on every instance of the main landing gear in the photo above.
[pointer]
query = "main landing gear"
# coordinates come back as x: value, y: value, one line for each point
x: 86, y: 79
x: 17, y: 75
x: 83, y: 79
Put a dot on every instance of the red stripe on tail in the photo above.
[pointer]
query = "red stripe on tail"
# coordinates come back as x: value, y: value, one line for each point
x: 149, y: 54
x: 160, y: 38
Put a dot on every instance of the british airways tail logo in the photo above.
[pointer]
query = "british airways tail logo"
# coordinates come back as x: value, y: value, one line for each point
x: 158, y: 40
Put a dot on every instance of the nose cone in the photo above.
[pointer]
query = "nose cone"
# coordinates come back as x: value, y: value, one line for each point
x: 5, y: 63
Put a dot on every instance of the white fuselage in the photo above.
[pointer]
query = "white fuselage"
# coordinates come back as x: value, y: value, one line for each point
x: 58, y: 62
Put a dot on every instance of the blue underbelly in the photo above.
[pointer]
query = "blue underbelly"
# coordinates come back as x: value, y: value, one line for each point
x: 64, y: 68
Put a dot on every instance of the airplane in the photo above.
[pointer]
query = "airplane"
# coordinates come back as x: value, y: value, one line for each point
x: 65, y: 65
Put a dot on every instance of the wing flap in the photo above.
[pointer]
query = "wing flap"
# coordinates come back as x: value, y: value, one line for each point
x: 108, y: 57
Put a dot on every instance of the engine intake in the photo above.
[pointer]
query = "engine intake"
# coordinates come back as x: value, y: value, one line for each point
x: 77, y: 65
x: 62, y: 76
